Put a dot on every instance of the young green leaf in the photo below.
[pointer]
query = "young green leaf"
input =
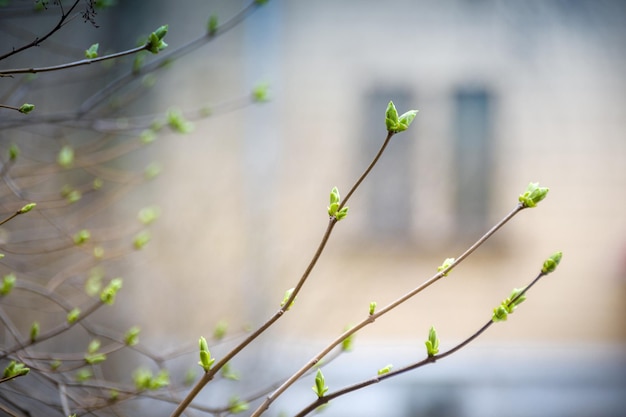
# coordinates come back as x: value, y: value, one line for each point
x: 533, y: 195
x: 432, y: 344
x: 92, y: 52
x: 320, y: 387
x: 107, y: 296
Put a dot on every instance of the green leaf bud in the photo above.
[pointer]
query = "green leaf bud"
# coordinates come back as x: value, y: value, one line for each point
x: 92, y: 52
x: 155, y: 40
x: 533, y: 195
x: 177, y: 122
x: 147, y: 136
x: 286, y: 298
x: 26, y: 108
x: 385, y: 370
x: 34, y: 332
x: 391, y: 117
x: 97, y: 183
x: 348, y: 343
x: 500, y: 313
x: 205, y: 356
x: 83, y: 375
x: 235, y: 405
x: 212, y: 25
x: 65, y: 158
x: 55, y: 364
x: 14, y: 152
x: 445, y: 265
x: 82, y: 237
x: 220, y: 330
x: 148, y: 215
x: 432, y: 344
x: 131, y: 338
x: 320, y: 387
x: 551, y: 263
x: 73, y: 315
x: 107, y: 296
x: 372, y: 307
x: 260, y: 93
x: 95, y: 358
x: 94, y: 345
x: 228, y: 373
x: 28, y: 207
x: 8, y: 282
x: 15, y: 369
x: 141, y: 239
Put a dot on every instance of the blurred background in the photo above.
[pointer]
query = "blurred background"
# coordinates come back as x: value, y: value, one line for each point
x: 508, y: 93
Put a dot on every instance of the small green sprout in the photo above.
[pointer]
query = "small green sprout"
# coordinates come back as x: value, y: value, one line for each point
x: 94, y: 345
x: 228, y: 373
x: 385, y: 370
x: 220, y: 330
x: 395, y: 123
x: 8, y: 282
x: 145, y: 380
x: 445, y: 265
x: 28, y: 207
x: 92, y: 52
x: 320, y: 387
x: 236, y: 405
x: 81, y: 237
x: 348, y: 343
x: 97, y: 183
x: 148, y: 215
x: 432, y: 344
x: 155, y: 42
x: 212, y: 25
x: 83, y: 375
x: 107, y: 296
x: 14, y: 152
x: 15, y: 369
x: 73, y: 315
x: 26, y: 108
x: 335, y: 203
x: 533, y: 195
x: 131, y: 338
x: 260, y: 93
x: 205, y: 355
x: 551, y: 263
x: 372, y: 307
x: 507, y: 306
x: 141, y: 239
x: 34, y: 331
x: 95, y: 358
x: 65, y: 157
x: 286, y: 298
x: 177, y: 122
x: 147, y: 136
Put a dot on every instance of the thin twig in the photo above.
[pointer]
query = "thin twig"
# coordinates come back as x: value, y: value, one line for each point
x: 428, y: 360
x: 371, y: 318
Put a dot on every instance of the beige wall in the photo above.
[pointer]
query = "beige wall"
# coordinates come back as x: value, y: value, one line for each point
x: 244, y: 197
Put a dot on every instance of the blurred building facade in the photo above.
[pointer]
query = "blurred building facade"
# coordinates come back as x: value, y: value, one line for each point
x: 508, y: 93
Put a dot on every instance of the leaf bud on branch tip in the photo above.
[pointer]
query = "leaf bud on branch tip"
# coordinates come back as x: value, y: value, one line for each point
x: 551, y: 263
x: 395, y: 123
x: 533, y: 195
